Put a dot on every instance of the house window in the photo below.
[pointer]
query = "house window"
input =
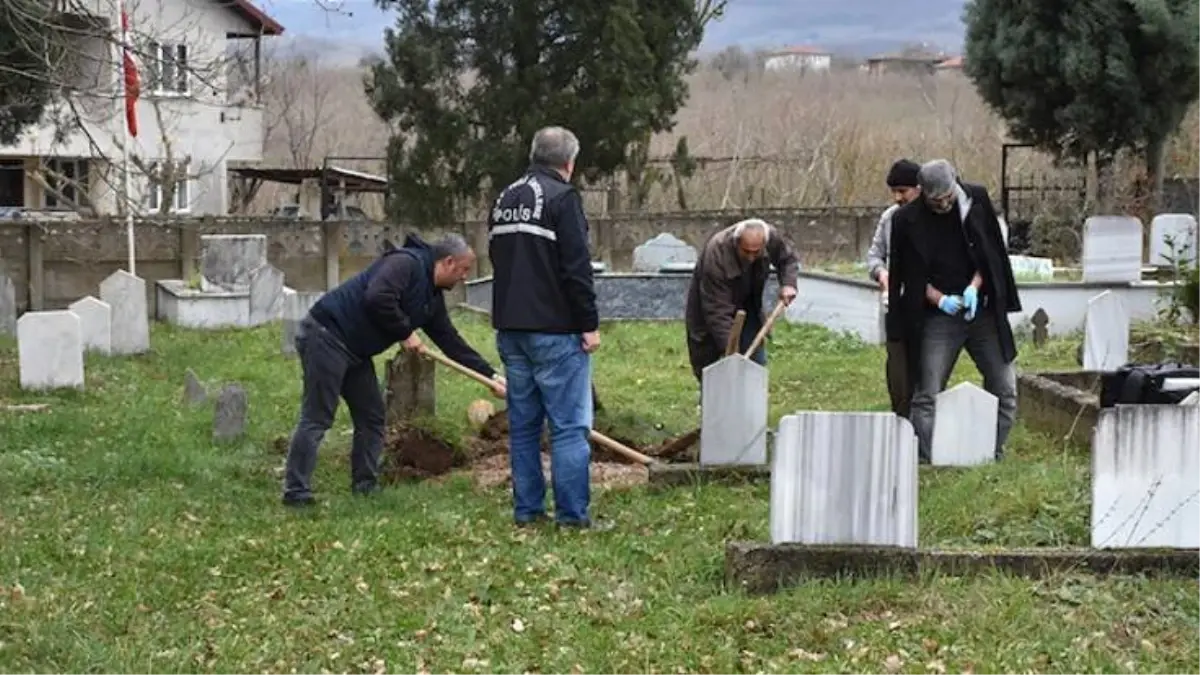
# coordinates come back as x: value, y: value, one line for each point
x: 66, y: 183
x: 167, y: 64
x: 182, y: 199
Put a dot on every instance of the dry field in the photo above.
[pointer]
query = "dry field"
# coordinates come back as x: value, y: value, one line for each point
x: 774, y: 140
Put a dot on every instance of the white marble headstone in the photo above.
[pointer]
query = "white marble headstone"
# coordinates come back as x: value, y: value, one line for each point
x: 733, y: 418
x: 8, y: 306
x: 1146, y: 477
x: 126, y: 296
x: 1112, y: 249
x: 295, y: 306
x: 266, y: 294
x: 1181, y: 229
x: 226, y: 261
x: 662, y: 249
x: 844, y: 478
x: 964, y: 431
x: 50, y: 350
x: 95, y: 321
x: 1105, y: 333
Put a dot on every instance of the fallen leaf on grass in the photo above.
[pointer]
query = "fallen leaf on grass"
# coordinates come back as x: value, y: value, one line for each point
x: 893, y: 663
x: 518, y: 626
x: 805, y: 655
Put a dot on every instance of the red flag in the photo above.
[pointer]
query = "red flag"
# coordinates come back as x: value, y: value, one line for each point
x: 133, y: 87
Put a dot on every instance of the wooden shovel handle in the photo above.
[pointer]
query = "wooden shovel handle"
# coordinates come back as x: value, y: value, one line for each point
x: 595, y: 436
x: 735, y: 332
x: 762, y: 332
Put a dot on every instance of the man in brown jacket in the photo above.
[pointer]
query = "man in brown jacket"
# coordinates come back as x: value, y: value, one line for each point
x: 731, y: 275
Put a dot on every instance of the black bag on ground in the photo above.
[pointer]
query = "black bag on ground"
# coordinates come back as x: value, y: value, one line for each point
x: 1142, y: 383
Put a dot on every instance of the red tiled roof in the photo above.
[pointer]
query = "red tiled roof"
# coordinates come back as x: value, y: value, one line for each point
x: 253, y: 15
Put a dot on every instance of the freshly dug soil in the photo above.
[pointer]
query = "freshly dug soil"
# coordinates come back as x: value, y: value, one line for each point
x: 410, y: 452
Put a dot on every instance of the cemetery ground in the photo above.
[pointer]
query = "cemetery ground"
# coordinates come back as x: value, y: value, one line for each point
x: 132, y: 542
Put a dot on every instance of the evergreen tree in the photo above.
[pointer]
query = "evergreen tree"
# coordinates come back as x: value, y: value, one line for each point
x: 29, y: 41
x: 1080, y: 76
x: 466, y: 83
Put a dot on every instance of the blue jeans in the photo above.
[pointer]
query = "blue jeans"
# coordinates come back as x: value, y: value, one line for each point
x: 549, y: 379
x: 749, y: 330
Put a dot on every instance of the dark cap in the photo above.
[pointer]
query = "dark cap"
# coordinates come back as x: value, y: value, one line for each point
x: 903, y: 174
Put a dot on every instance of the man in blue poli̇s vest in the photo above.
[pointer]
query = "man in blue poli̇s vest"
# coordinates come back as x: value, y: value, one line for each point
x: 383, y: 305
x: 544, y: 312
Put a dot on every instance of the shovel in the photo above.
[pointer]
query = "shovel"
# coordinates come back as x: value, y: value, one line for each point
x: 594, y: 436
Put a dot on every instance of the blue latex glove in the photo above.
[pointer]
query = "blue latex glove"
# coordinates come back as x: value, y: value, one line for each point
x: 970, y: 302
x: 951, y: 304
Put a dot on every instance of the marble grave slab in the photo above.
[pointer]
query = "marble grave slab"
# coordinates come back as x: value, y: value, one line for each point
x: 733, y: 418
x: 964, y: 432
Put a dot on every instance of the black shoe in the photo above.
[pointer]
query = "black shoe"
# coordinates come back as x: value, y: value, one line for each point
x: 592, y: 525
x: 539, y: 519
x: 300, y: 502
x: 365, y: 490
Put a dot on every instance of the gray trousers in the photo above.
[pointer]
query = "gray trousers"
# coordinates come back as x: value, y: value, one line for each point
x: 944, y: 337
x: 332, y: 372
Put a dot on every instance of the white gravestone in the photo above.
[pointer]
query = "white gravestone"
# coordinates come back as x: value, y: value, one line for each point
x: 95, y: 320
x: 1112, y: 249
x: 50, y: 350
x: 1146, y: 477
x: 733, y: 417
x: 964, y: 431
x: 226, y: 261
x: 126, y: 296
x: 662, y: 249
x: 8, y: 306
x: 1105, y: 333
x: 266, y: 294
x: 295, y: 307
x: 1180, y: 228
x: 844, y: 478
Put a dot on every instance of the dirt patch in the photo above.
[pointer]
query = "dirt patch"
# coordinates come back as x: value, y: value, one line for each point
x: 411, y: 452
x: 493, y: 472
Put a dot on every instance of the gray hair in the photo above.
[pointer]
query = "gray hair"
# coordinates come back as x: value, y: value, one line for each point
x: 937, y: 177
x: 554, y: 147
x: 450, y: 246
x: 751, y: 225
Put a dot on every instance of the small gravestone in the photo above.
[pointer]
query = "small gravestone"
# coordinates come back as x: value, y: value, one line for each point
x: 1105, y: 333
x: 95, y: 321
x: 1112, y: 249
x: 229, y: 413
x: 844, y: 478
x: 964, y: 431
x: 126, y: 297
x: 266, y: 294
x: 1172, y: 235
x: 1145, y: 477
x: 411, y: 387
x: 49, y: 351
x: 8, y: 306
x: 662, y: 249
x: 227, y: 260
x: 295, y: 307
x: 1040, y: 321
x: 733, y: 416
x: 194, y: 391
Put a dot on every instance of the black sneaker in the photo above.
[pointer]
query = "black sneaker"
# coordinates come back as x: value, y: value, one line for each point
x: 539, y: 519
x: 300, y: 502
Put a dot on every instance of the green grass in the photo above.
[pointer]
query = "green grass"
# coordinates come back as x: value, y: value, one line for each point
x: 129, y: 542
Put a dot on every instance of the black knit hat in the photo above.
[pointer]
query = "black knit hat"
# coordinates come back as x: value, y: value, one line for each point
x: 903, y: 174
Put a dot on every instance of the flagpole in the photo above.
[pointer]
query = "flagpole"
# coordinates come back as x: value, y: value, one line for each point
x: 129, y: 238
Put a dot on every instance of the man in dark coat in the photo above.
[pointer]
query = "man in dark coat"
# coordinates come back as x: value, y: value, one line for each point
x: 384, y: 304
x: 951, y: 286
x: 731, y: 275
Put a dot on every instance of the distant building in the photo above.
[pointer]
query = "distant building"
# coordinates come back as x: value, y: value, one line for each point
x: 950, y: 66
x: 803, y: 59
x: 905, y: 63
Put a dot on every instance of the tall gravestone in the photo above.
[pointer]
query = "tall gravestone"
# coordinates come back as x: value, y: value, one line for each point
x: 266, y: 294
x: 1105, y: 333
x: 1112, y: 249
x: 50, y: 351
x: 1172, y: 235
x: 663, y: 249
x: 126, y: 296
x: 8, y: 306
x: 95, y: 320
x: 964, y: 431
x: 844, y: 478
x: 733, y: 417
x: 227, y: 261
x: 1146, y: 477
x: 411, y: 387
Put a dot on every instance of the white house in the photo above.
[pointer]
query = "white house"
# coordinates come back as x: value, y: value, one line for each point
x: 804, y: 59
x: 198, y: 63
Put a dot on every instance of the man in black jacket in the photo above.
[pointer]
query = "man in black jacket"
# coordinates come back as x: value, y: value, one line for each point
x: 950, y: 285
x: 544, y: 312
x: 386, y: 303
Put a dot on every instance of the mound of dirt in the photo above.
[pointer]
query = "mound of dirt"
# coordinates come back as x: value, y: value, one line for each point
x: 410, y: 452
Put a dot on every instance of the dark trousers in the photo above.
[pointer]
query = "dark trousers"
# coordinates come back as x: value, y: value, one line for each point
x: 332, y: 372
x: 710, y: 352
x: 898, y: 382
